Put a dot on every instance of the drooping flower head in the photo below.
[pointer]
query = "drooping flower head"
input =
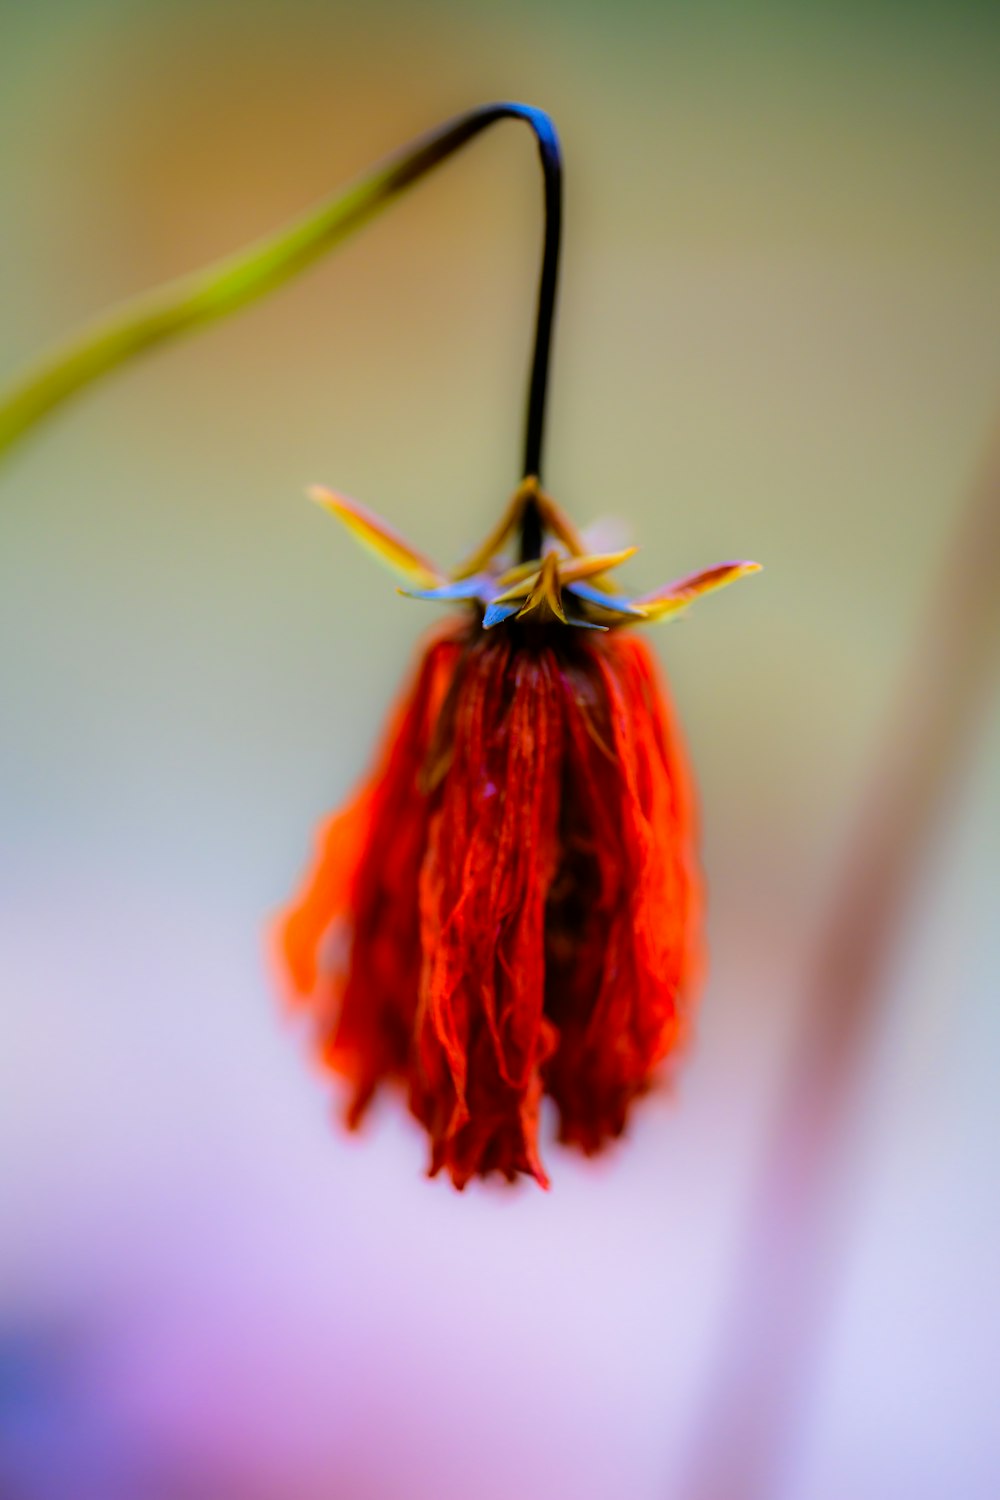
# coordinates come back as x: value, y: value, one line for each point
x: 510, y: 905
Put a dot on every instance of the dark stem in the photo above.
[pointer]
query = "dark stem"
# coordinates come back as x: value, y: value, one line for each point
x: 417, y: 159
x: 531, y: 533
x: 548, y: 283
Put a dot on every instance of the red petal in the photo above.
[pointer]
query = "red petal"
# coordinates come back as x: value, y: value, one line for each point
x: 624, y: 945
x: 492, y: 853
x: 516, y: 897
x: 362, y: 891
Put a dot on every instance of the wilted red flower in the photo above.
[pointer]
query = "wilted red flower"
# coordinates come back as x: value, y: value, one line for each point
x: 510, y: 906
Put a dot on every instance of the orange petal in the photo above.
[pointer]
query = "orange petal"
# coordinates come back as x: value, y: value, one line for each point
x: 594, y: 564
x: 518, y: 573
x: 555, y: 519
x: 524, y: 578
x: 546, y: 597
x: 298, y: 930
x: 379, y: 539
x: 522, y: 588
x: 478, y: 562
x: 676, y: 596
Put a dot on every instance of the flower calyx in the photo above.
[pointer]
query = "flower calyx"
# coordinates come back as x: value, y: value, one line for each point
x: 563, y: 583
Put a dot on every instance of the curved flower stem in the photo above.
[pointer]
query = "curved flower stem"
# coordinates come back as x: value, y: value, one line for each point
x: 789, y: 1259
x: 204, y: 296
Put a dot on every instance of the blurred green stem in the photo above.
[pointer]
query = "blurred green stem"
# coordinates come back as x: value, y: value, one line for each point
x: 204, y: 296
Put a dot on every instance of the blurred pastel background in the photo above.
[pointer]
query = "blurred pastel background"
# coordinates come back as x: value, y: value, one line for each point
x: 779, y: 338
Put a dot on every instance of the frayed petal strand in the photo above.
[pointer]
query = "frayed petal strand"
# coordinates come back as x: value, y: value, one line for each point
x: 511, y: 906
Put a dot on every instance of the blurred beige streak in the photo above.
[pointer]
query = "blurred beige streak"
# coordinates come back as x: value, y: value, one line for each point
x: 785, y: 1279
